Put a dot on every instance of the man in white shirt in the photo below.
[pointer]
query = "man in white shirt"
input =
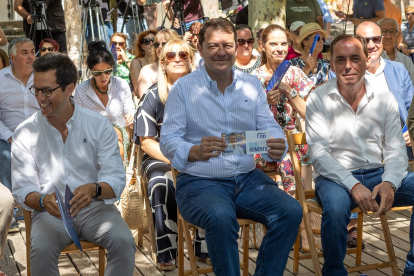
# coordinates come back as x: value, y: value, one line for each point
x: 232, y: 147
x: 66, y: 144
x: 351, y: 129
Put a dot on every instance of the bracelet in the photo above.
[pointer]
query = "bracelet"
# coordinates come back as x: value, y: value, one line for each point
x: 41, y: 202
x: 354, y: 186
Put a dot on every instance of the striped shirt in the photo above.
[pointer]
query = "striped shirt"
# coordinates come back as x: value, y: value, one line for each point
x: 196, y: 108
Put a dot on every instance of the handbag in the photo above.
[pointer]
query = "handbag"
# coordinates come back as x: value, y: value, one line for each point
x: 132, y: 204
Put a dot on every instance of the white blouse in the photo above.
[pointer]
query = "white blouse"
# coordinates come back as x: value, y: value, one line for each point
x: 119, y: 103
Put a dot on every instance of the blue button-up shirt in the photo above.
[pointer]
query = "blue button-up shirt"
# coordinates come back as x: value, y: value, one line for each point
x: 196, y: 108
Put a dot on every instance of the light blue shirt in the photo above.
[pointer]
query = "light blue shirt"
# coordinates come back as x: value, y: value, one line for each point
x: 196, y: 108
x: 326, y: 14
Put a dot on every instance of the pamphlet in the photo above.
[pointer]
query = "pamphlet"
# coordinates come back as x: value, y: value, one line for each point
x: 278, y: 75
x: 405, y: 128
x: 65, y: 213
x: 246, y: 142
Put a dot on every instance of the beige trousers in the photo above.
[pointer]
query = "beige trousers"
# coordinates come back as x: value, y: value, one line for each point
x: 6, y: 215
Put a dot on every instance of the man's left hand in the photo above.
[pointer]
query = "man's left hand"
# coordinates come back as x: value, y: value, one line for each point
x: 407, y: 139
x: 386, y: 192
x: 82, y: 198
x: 276, y: 148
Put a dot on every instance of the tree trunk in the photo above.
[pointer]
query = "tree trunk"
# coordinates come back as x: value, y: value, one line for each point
x: 265, y: 12
x: 211, y: 8
x: 73, y: 28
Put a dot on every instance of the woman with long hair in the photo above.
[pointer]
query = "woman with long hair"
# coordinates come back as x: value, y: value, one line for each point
x: 149, y: 73
x: 4, y: 59
x: 143, y: 53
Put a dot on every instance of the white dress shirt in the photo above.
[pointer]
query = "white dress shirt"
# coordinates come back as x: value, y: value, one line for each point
x: 405, y: 60
x: 119, y: 103
x: 41, y: 161
x: 236, y: 150
x: 341, y: 140
x: 17, y: 103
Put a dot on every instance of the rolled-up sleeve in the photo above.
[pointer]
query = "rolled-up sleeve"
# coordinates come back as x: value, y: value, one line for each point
x: 172, y: 142
x: 25, y: 179
x: 110, y: 161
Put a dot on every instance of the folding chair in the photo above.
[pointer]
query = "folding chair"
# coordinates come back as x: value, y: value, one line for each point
x: 184, y: 234
x: 312, y: 206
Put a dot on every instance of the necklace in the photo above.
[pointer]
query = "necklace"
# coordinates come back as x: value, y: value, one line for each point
x: 94, y: 82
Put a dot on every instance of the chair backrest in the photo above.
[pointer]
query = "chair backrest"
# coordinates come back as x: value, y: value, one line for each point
x: 174, y: 174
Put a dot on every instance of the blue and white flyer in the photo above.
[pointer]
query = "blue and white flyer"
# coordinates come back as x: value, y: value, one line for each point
x: 246, y: 142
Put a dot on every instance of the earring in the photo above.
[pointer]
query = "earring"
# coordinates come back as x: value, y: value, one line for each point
x: 191, y: 70
x: 163, y: 71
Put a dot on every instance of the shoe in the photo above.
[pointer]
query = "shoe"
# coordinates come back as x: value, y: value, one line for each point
x: 14, y: 227
x: 352, y: 238
x: 168, y: 266
x: 200, y: 259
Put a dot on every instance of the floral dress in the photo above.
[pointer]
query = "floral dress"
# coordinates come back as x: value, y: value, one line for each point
x: 322, y: 69
x: 286, y: 116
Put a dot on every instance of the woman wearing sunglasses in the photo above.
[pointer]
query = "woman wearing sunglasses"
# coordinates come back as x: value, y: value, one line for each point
x: 286, y: 102
x: 143, y: 53
x: 176, y: 60
x: 192, y: 37
x: 149, y: 73
x: 48, y: 45
x: 108, y: 95
x: 317, y: 69
x: 245, y: 60
x: 124, y: 58
x: 406, y: 39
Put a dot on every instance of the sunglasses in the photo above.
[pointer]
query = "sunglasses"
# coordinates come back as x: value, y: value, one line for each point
x: 99, y: 73
x: 49, y: 49
x: 118, y: 43
x: 170, y: 56
x: 319, y: 38
x: 194, y: 35
x: 157, y: 44
x: 45, y: 91
x: 409, y: 13
x: 243, y: 42
x: 147, y: 41
x: 375, y: 39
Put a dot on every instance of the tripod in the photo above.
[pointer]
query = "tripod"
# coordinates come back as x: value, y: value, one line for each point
x: 88, y: 12
x: 137, y: 17
x: 178, y: 13
x: 39, y: 23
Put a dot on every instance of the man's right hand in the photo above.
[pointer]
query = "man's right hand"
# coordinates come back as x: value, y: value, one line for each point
x: 49, y: 202
x: 10, y: 140
x: 209, y: 147
x: 29, y: 19
x: 363, y: 197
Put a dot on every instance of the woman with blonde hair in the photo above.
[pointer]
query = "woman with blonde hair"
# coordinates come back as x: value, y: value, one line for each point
x: 175, y: 61
x: 142, y: 52
x: 149, y: 73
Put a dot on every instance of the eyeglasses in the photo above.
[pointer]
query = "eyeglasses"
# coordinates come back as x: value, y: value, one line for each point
x: 319, y: 38
x: 409, y: 13
x: 147, y: 41
x: 49, y: 49
x: 45, y: 91
x: 389, y: 32
x: 194, y: 35
x: 99, y: 73
x: 157, y: 44
x: 170, y: 56
x: 375, y: 39
x: 243, y: 42
x: 122, y: 44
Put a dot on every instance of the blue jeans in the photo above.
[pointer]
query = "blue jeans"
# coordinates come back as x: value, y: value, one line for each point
x: 5, y: 167
x: 129, y: 30
x: 108, y: 28
x: 214, y: 204
x: 187, y: 26
x: 337, y: 204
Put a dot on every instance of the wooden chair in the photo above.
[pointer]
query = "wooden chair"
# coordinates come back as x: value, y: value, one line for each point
x: 71, y: 248
x: 184, y: 234
x: 308, y: 206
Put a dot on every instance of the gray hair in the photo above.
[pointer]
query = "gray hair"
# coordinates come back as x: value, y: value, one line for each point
x: 389, y: 20
x: 13, y: 44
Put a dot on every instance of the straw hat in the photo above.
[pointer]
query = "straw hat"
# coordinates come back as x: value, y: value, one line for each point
x: 307, y: 30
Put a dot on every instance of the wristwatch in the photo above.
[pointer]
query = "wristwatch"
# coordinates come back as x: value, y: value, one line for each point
x: 393, y: 186
x: 293, y: 93
x: 98, y: 190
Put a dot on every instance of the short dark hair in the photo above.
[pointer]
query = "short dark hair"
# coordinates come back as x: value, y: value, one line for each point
x: 259, y: 34
x: 98, y: 53
x: 66, y: 72
x: 217, y: 24
x: 232, y: 134
x: 244, y: 27
x: 344, y: 37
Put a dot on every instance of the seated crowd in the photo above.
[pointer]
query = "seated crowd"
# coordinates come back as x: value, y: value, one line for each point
x: 189, y: 90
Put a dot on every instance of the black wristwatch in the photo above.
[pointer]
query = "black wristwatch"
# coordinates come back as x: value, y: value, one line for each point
x: 98, y: 190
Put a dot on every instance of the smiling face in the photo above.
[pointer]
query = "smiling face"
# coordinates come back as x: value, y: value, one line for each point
x: 349, y: 62
x: 276, y: 46
x: 103, y: 79
x: 246, y: 49
x: 25, y: 56
x: 374, y: 49
x: 218, y: 51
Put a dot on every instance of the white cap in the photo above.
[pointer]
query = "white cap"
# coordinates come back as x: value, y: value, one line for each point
x: 295, y: 25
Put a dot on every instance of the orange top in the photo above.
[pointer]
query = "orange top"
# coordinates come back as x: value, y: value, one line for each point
x: 392, y: 11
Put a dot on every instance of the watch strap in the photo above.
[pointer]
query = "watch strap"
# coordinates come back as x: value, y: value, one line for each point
x: 98, y: 190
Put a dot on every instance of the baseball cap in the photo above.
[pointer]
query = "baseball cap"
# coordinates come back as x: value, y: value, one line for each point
x: 295, y: 25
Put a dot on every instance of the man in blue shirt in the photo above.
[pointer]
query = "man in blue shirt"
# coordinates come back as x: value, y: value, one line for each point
x: 365, y: 10
x: 213, y: 189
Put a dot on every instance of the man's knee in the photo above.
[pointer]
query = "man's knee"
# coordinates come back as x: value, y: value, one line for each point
x: 221, y: 217
x: 122, y: 242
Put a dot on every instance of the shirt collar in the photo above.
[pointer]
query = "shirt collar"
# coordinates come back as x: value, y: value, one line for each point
x: 210, y: 82
x: 333, y: 87
x: 9, y: 71
x: 72, y: 119
x: 379, y: 70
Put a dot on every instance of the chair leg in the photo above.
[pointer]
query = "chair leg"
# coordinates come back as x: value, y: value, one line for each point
x: 101, y: 261
x: 360, y: 225
x: 311, y: 238
x: 180, y: 247
x: 296, y: 255
x: 190, y: 250
x: 28, y: 224
x: 140, y: 239
x: 150, y: 221
x: 388, y: 242
x: 246, y: 250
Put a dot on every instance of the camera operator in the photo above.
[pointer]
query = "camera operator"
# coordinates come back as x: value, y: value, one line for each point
x: 193, y: 12
x: 55, y: 20
x: 129, y: 28
x: 104, y: 5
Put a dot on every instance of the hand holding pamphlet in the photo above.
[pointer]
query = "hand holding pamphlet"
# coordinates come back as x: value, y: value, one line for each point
x: 246, y: 142
x: 278, y: 75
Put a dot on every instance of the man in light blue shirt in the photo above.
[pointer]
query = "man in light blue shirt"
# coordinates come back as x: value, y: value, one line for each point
x: 214, y: 190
